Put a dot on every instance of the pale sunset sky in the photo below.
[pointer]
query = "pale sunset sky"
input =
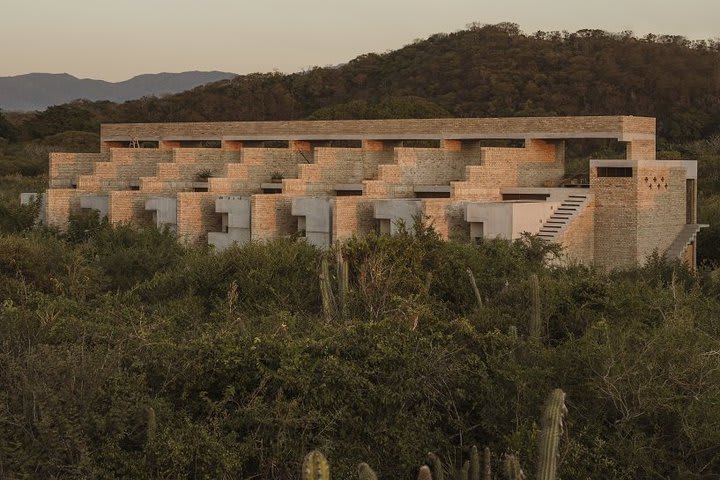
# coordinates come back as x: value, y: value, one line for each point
x: 117, y: 39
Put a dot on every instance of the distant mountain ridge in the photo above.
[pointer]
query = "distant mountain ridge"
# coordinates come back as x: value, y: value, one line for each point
x: 37, y: 91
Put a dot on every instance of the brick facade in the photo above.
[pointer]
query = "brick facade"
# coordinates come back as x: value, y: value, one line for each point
x: 627, y: 219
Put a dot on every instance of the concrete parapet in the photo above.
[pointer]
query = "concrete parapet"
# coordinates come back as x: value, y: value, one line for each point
x: 235, y: 222
x: 96, y: 202
x: 391, y: 214
x: 164, y: 211
x: 30, y: 198
x: 315, y: 216
x: 507, y: 220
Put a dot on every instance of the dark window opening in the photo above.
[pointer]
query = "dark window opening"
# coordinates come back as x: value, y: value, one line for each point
x: 432, y: 194
x: 526, y: 196
x: 347, y: 193
x: 614, y: 172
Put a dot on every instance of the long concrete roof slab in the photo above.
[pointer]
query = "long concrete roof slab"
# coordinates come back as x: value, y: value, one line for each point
x: 623, y: 128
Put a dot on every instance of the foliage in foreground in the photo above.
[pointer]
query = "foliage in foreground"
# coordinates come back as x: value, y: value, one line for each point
x: 223, y: 365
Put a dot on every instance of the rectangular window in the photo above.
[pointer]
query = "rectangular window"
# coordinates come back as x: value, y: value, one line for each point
x: 614, y: 172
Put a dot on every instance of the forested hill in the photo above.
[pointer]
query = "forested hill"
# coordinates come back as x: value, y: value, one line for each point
x: 490, y: 70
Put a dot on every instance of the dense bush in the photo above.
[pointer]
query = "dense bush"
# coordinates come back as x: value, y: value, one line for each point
x: 124, y: 355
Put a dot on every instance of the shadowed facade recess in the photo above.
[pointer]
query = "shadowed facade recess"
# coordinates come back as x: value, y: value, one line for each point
x: 233, y: 182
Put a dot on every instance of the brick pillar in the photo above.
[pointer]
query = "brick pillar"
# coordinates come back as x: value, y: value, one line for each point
x: 168, y: 145
x: 451, y: 145
x: 300, y: 146
x: 373, y: 145
x: 105, y: 146
x: 641, y: 150
x: 232, y: 145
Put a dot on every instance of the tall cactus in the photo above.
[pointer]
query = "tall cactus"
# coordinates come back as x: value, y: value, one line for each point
x: 343, y: 280
x: 151, y: 426
x: 487, y: 464
x: 535, y: 317
x: 474, y: 463
x: 328, y: 300
x: 315, y: 467
x: 474, y: 286
x: 437, y: 466
x: 552, y: 428
x: 464, y: 472
x: 424, y: 473
x: 365, y: 472
x: 512, y: 468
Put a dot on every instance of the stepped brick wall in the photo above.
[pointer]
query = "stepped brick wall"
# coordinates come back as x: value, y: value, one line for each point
x: 625, y: 221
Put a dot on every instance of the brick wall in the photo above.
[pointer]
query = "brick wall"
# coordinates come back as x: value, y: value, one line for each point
x: 66, y: 167
x: 196, y: 216
x: 578, y: 239
x: 447, y: 217
x: 333, y: 166
x: 61, y: 203
x: 641, y: 150
x: 271, y: 216
x: 538, y: 164
x: 660, y: 209
x: 129, y: 207
x: 616, y: 219
x: 255, y: 167
x: 352, y: 216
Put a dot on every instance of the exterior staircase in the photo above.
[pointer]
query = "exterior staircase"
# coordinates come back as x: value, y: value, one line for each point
x: 684, y: 238
x: 570, y: 207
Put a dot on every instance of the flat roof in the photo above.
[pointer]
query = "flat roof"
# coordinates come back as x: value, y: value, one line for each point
x: 690, y: 166
x: 623, y: 128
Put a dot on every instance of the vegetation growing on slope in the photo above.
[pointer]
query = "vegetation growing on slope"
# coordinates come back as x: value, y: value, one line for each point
x: 212, y: 365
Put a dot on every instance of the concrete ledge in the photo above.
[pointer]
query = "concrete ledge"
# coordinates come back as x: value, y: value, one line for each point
x: 690, y: 166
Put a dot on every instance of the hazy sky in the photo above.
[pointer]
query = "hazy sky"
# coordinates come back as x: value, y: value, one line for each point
x: 116, y: 39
